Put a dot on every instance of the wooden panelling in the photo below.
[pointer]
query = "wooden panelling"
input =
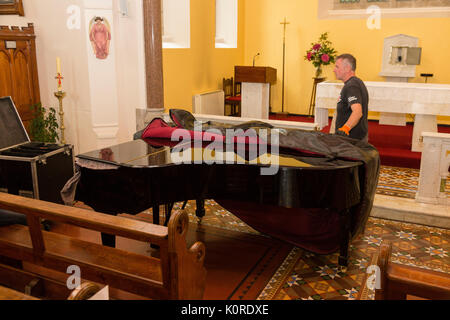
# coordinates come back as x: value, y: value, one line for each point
x: 18, y: 69
x: 5, y: 73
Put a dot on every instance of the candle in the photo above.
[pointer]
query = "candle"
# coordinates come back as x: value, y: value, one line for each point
x: 58, y: 65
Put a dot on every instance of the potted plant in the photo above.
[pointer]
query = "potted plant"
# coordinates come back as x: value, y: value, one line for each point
x: 44, y: 125
x: 321, y: 53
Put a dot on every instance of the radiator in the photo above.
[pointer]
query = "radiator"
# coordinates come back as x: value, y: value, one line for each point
x: 209, y: 103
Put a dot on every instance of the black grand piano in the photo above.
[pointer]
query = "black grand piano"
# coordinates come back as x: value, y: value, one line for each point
x: 318, y: 197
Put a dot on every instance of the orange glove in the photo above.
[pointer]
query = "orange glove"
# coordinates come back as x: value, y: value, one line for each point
x: 346, y: 129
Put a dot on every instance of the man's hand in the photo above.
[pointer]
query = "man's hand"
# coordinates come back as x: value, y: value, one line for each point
x: 344, y: 130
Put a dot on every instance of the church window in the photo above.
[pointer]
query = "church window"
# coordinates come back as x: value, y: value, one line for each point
x: 226, y: 23
x: 176, y: 29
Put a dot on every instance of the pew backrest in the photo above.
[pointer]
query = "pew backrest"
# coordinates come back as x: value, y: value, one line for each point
x: 178, y: 273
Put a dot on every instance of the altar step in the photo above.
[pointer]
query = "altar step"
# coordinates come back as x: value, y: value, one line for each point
x: 410, y: 211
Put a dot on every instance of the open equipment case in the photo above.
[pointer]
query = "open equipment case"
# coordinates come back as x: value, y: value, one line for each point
x: 31, y: 169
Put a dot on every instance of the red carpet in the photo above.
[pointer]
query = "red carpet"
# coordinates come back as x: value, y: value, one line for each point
x: 393, y: 142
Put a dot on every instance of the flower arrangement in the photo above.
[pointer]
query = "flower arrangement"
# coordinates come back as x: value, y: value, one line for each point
x: 321, y: 53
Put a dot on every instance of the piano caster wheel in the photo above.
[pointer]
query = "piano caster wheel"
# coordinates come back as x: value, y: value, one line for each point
x: 199, y: 220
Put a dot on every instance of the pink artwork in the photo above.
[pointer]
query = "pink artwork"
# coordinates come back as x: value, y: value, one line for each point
x: 100, y: 37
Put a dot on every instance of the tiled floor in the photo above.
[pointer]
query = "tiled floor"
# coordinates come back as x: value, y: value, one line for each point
x: 401, y: 182
x: 308, y: 276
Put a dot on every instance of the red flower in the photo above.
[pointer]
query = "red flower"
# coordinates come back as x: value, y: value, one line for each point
x: 317, y: 46
x: 325, y: 57
x: 309, y: 55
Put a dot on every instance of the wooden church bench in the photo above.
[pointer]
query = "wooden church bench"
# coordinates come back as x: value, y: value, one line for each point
x: 178, y: 273
x: 85, y: 292
x: 39, y: 286
x: 32, y: 284
x: 401, y: 282
x: 10, y: 294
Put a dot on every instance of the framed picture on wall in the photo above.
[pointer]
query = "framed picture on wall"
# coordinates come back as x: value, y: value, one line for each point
x: 11, y: 7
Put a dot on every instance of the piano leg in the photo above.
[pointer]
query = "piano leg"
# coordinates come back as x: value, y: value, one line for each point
x: 200, y: 211
x: 168, y: 212
x: 155, y: 213
x: 344, y: 239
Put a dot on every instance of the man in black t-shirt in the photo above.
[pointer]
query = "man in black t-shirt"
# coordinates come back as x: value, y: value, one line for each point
x: 352, y: 108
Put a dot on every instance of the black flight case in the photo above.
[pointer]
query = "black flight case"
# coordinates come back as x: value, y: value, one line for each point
x: 30, y: 169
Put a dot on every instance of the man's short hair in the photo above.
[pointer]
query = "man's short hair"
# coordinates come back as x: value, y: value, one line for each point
x: 351, y: 60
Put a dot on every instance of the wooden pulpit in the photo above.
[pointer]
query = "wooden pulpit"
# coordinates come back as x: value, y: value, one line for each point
x: 255, y: 74
x: 255, y: 90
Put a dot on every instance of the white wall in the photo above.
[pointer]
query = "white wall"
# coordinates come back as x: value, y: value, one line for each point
x: 54, y: 38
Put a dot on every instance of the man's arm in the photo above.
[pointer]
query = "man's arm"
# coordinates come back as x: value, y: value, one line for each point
x: 355, y: 116
x: 353, y: 120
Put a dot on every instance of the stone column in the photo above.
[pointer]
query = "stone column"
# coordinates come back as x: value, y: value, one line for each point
x: 153, y: 63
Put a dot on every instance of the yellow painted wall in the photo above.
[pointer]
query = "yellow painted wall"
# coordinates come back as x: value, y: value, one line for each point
x: 202, y: 67
x: 263, y: 33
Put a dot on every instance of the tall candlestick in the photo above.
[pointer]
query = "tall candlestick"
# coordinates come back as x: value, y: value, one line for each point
x: 284, y: 23
x: 60, y: 95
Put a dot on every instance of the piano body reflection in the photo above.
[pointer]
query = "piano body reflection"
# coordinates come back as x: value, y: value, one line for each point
x: 319, y: 197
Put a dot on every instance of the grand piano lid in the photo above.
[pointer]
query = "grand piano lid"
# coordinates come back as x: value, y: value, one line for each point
x: 154, y: 153
x: 12, y: 130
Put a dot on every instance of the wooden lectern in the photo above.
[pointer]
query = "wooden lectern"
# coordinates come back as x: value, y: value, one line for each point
x: 255, y: 90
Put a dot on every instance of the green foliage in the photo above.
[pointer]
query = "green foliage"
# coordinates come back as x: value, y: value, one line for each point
x: 44, y: 126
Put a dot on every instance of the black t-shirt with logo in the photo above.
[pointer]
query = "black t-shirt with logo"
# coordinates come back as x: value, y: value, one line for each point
x: 354, y: 91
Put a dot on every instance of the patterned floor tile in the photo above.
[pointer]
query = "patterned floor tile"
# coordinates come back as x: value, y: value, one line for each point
x: 321, y: 279
x: 401, y: 182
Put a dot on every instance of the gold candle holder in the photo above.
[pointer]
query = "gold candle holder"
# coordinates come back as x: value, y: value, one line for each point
x: 60, y: 95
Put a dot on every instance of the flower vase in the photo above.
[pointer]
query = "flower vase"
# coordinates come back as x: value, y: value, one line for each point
x: 318, y: 71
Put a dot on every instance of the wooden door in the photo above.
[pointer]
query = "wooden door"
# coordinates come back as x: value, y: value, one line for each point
x: 18, y: 69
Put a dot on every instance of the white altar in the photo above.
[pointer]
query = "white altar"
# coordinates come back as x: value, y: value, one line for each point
x: 424, y: 100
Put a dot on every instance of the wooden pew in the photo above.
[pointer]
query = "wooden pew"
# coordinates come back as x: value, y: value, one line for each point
x: 178, y: 273
x: 40, y: 287
x: 399, y: 282
x: 85, y: 292
x: 10, y: 294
